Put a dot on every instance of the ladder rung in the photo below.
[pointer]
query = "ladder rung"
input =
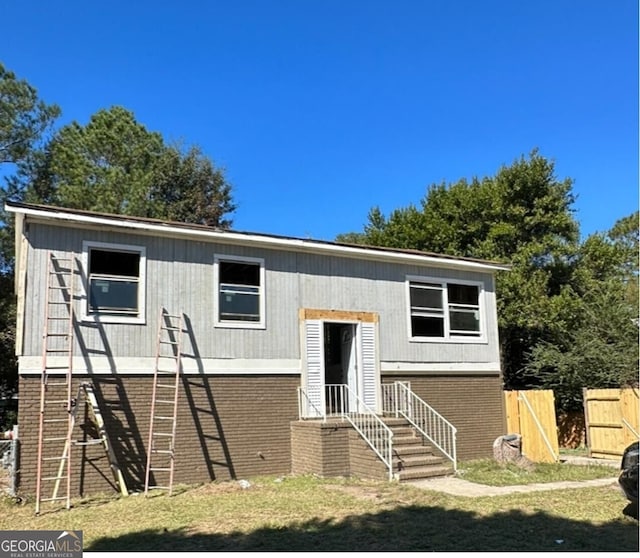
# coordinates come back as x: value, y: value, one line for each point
x: 48, y: 421
x: 53, y: 499
x: 159, y: 468
x: 57, y: 350
x: 163, y: 434
x: 57, y: 384
x: 55, y: 439
x: 55, y: 401
x: 159, y: 417
x: 66, y: 318
x: 168, y: 342
x: 65, y: 334
x: 169, y: 386
x: 88, y: 443
x: 164, y: 402
x: 58, y: 477
x: 65, y: 302
x: 162, y: 451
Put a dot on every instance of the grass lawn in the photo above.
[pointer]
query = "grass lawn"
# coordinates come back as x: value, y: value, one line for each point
x: 306, y: 513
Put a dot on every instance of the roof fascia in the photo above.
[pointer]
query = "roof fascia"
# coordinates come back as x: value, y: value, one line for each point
x: 247, y: 239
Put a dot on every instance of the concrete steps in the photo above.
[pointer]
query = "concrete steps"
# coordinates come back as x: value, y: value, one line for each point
x: 412, y: 458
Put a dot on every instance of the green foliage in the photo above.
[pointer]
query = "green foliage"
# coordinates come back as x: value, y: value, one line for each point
x: 24, y: 118
x: 560, y: 298
x: 112, y: 164
x: 24, y: 121
x: 188, y: 188
x: 107, y: 165
x: 115, y: 165
x: 594, y: 343
x: 491, y: 473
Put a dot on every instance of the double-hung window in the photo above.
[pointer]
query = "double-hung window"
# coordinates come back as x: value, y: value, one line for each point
x: 115, y: 282
x: 240, y: 299
x: 443, y: 310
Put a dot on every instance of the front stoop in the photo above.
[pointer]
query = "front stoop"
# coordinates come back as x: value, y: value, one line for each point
x: 412, y: 458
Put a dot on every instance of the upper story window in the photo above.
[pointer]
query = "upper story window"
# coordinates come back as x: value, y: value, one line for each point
x: 239, y: 284
x: 441, y: 310
x: 115, y: 283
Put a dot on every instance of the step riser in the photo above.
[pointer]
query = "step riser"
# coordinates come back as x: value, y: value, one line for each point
x: 412, y: 459
x: 423, y: 473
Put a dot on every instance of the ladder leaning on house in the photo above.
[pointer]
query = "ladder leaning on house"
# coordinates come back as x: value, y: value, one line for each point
x: 57, y: 409
x: 103, y: 438
x: 164, y: 404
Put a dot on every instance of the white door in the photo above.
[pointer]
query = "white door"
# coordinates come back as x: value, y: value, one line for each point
x: 313, y: 403
x: 359, y: 357
x: 350, y: 365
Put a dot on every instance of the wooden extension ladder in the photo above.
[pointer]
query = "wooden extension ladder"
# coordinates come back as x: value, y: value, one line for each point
x: 103, y: 438
x: 57, y: 414
x: 164, y: 404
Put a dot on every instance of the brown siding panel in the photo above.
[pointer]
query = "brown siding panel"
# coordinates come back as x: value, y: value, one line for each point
x: 228, y: 427
x: 474, y: 404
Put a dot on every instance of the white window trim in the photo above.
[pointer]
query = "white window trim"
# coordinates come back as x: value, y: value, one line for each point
x: 239, y: 324
x: 85, y: 316
x: 448, y: 336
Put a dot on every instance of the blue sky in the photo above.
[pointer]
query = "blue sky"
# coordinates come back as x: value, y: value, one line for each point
x: 319, y: 110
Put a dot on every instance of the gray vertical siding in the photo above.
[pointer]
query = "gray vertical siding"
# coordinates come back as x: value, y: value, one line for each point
x: 179, y: 277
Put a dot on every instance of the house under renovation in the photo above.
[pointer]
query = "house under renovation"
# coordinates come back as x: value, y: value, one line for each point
x: 152, y: 353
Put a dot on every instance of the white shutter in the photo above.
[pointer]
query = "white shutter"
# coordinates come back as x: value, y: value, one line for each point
x: 314, y: 364
x: 369, y: 364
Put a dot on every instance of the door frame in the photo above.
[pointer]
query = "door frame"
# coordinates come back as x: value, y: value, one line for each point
x: 368, y: 372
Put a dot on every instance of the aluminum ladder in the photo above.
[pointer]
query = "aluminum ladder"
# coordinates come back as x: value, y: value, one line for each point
x: 57, y: 407
x: 164, y: 404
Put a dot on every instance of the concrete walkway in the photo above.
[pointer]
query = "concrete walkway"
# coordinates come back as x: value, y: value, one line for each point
x: 460, y: 487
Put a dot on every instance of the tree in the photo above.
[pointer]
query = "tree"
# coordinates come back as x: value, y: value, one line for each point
x: 523, y: 215
x: 594, y: 343
x: 112, y: 164
x: 24, y: 121
x: 188, y: 188
x: 24, y: 118
x: 115, y: 165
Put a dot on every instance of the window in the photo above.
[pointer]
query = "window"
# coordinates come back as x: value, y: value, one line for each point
x: 239, y: 283
x: 115, y: 282
x: 439, y: 310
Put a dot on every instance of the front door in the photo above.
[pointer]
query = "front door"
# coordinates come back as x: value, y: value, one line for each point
x: 339, y: 349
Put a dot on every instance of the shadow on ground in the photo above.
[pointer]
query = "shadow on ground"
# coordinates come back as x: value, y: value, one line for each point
x: 413, y: 528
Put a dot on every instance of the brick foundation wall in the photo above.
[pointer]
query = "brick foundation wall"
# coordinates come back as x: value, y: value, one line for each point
x: 474, y: 404
x: 363, y: 460
x: 320, y: 448
x: 228, y: 427
x: 332, y: 449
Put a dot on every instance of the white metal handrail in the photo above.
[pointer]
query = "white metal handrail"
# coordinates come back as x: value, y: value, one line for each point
x: 399, y: 400
x: 339, y: 401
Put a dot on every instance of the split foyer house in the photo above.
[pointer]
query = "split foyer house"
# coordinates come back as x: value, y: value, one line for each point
x: 292, y: 355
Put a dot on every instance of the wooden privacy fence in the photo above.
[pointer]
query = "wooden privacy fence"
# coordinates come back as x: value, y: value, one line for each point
x: 532, y: 414
x: 611, y: 420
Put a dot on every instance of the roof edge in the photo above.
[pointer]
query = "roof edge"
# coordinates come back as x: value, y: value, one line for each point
x: 173, y: 228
